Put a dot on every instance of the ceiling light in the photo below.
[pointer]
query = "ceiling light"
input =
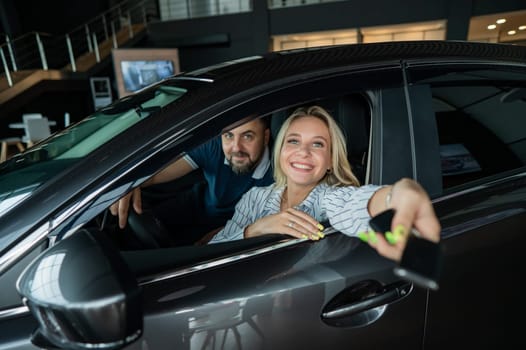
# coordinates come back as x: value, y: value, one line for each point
x: 501, y: 20
x: 512, y: 32
x: 522, y: 27
x: 492, y: 26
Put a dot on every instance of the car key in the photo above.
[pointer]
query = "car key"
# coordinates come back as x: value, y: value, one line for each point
x: 421, y: 260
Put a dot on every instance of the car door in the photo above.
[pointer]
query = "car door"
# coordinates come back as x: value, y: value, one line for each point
x: 14, y: 315
x: 478, y: 114
x: 334, y: 293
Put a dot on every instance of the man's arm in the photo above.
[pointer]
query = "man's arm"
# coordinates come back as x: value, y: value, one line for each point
x: 177, y: 169
x: 173, y: 171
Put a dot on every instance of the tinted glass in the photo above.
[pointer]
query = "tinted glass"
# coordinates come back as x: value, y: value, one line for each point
x: 23, y: 173
x: 481, y: 120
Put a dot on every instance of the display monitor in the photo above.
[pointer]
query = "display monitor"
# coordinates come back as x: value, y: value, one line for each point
x: 139, y: 74
x: 138, y: 68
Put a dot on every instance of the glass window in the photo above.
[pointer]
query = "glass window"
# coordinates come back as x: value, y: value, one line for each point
x: 25, y: 172
x: 176, y: 9
x: 481, y: 121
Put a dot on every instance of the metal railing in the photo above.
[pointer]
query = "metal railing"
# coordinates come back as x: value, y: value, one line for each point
x: 43, y: 51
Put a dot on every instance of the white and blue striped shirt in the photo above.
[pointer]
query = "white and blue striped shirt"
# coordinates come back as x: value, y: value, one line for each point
x: 344, y: 207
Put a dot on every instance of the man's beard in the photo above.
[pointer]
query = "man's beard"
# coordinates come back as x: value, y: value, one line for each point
x: 244, y: 168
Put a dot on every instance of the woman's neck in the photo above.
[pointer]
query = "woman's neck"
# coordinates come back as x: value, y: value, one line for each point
x: 292, y: 196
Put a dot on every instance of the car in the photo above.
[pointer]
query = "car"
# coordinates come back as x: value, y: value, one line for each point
x: 408, y: 109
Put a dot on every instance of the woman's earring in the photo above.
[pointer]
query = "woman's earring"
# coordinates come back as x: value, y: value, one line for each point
x: 329, y: 171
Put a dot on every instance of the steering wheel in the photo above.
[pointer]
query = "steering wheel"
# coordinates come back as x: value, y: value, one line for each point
x: 146, y: 228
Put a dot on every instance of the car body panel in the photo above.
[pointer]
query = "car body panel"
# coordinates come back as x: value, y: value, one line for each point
x: 268, y: 297
x: 483, y: 239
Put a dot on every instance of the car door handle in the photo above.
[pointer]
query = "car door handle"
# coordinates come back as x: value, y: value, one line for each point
x: 351, y: 302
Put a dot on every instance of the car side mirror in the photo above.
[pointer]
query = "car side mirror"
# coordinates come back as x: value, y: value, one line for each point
x: 83, y: 295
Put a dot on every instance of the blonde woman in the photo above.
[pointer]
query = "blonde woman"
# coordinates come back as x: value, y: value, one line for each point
x: 314, y: 183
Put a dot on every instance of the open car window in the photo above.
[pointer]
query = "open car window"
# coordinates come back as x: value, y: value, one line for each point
x: 353, y: 114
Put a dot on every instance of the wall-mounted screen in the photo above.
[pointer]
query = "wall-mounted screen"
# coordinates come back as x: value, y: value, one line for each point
x: 139, y: 74
x: 138, y: 68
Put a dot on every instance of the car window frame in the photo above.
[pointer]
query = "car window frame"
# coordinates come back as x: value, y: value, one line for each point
x: 271, y: 102
x: 269, y: 98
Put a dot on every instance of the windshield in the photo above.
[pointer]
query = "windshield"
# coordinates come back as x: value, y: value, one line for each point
x: 23, y: 173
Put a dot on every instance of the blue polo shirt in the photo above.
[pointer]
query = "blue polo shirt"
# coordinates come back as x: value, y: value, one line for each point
x: 225, y: 187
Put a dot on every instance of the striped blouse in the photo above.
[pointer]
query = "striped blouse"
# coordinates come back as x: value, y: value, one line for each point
x: 344, y: 207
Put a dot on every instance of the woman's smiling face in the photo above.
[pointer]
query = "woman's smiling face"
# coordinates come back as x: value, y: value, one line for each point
x: 306, y: 152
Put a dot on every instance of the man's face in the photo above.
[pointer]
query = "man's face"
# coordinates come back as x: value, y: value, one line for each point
x: 244, y: 145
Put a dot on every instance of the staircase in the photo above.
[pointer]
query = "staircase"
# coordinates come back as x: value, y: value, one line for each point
x: 34, y: 57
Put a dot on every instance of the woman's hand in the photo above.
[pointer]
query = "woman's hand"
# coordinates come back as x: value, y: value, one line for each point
x: 413, y: 209
x: 292, y: 222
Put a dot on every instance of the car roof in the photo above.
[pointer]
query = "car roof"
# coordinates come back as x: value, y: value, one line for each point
x: 314, y: 58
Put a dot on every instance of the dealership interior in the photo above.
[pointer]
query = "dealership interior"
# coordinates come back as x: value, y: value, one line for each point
x: 61, y: 62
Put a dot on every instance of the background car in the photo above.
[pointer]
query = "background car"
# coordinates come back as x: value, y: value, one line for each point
x: 403, y: 107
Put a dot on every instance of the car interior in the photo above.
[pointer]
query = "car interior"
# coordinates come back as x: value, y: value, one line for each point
x: 352, y: 112
x: 479, y: 116
x: 492, y: 155
x: 479, y: 134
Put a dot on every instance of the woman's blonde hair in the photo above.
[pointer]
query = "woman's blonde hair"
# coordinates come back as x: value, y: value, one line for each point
x: 340, y: 173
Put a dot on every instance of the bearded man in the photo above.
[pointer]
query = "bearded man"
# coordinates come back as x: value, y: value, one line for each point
x: 231, y: 165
